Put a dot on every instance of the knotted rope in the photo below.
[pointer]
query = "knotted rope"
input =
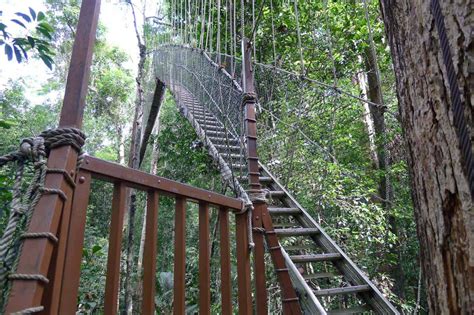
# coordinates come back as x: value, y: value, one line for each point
x: 247, y: 206
x: 32, y: 151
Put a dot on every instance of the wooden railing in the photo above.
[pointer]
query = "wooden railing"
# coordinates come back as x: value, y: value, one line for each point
x: 123, y: 178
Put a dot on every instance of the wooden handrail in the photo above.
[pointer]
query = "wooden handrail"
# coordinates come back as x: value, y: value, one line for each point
x: 113, y: 172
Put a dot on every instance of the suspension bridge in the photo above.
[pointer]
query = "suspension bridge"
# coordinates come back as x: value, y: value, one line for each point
x: 219, y: 95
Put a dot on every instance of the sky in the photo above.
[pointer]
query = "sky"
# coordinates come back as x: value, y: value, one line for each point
x: 115, y: 16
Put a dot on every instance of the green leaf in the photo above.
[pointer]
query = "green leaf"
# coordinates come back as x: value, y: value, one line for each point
x: 19, y: 23
x: 5, y: 124
x: 43, y: 31
x: 47, y: 61
x: 17, y: 54
x: 41, y: 16
x: 9, y: 51
x: 96, y: 248
x: 31, y: 41
x: 24, y: 16
x: 33, y: 13
x: 46, y: 26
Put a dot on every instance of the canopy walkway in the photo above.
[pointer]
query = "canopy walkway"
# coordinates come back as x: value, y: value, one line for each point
x: 312, y: 270
x: 213, y: 102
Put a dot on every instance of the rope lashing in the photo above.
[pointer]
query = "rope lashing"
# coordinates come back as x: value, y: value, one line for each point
x: 24, y: 276
x: 34, y: 151
x: 248, y: 97
x: 30, y: 310
x: 33, y: 147
x: 47, y: 235
x: 259, y: 195
x: 247, y: 206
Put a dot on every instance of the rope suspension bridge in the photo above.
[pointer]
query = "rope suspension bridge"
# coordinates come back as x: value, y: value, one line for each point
x: 223, y: 96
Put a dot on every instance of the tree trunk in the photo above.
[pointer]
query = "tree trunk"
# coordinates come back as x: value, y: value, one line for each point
x: 439, y: 168
x: 134, y: 162
x: 153, y: 168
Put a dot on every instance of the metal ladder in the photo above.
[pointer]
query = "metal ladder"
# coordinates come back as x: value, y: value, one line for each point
x: 321, y: 272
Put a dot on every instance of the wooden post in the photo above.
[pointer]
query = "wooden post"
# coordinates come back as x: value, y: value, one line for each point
x: 261, y: 219
x: 179, y: 305
x: 115, y: 242
x: 204, y: 261
x: 226, y: 282
x: 149, y: 254
x: 243, y: 264
x: 37, y: 254
x: 254, y: 178
x: 75, y: 242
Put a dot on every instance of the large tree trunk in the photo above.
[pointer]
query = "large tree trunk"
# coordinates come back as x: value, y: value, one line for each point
x: 134, y: 162
x: 441, y: 189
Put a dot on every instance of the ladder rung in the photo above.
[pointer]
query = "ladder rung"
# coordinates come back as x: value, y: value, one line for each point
x: 315, y: 257
x: 297, y: 232
x: 265, y: 179
x: 290, y: 300
x: 315, y: 276
x: 220, y: 139
x: 284, y: 211
x: 348, y: 311
x: 277, y: 194
x: 208, y: 122
x: 197, y: 114
x: 284, y: 225
x: 344, y: 290
x: 215, y: 132
x: 239, y: 166
x: 226, y: 147
x: 233, y: 156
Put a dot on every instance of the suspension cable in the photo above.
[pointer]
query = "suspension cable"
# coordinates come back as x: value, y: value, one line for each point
x: 218, y: 45
x: 253, y: 31
x: 203, y: 11
x: 242, y: 20
x: 273, y: 33
x: 298, y: 32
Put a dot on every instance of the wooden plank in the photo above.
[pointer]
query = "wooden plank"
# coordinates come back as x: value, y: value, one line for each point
x: 52, y: 295
x: 259, y: 260
x: 283, y: 211
x: 75, y: 243
x: 112, y: 172
x: 149, y: 253
x: 204, y: 261
x: 344, y: 290
x: 297, y: 232
x: 115, y: 242
x: 243, y: 265
x: 179, y: 305
x: 315, y: 257
x: 226, y: 281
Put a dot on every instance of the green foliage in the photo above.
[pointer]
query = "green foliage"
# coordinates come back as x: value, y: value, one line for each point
x: 36, y: 37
